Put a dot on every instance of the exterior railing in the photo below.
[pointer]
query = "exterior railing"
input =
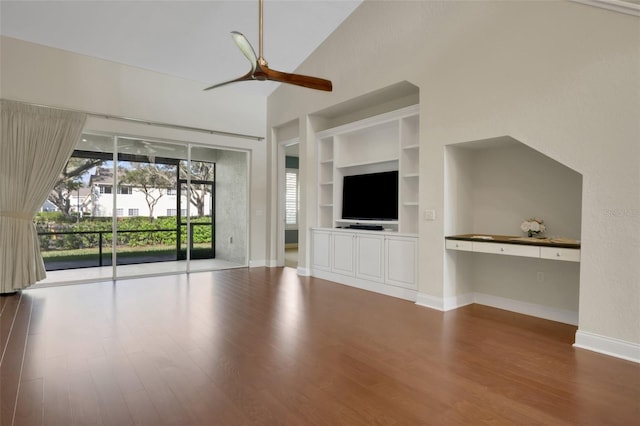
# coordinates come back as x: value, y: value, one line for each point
x: 102, y: 236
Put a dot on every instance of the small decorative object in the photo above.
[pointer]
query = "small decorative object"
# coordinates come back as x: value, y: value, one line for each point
x: 533, y: 227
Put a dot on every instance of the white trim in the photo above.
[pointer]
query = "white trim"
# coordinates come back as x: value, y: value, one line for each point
x: 371, y: 121
x: 149, y: 123
x: 614, y: 5
x: 304, y: 272
x: 446, y: 303
x: 257, y: 263
x: 526, y: 308
x: 386, y: 289
x: 429, y: 301
x: 455, y: 302
x: 608, y: 346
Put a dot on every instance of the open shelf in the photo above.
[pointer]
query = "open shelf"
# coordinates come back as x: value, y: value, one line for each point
x: 388, y: 142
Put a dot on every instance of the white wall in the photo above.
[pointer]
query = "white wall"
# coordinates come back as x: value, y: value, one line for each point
x: 509, y: 183
x: 42, y: 75
x: 561, y: 77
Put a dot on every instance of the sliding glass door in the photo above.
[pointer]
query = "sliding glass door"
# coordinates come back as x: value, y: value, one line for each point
x: 132, y: 207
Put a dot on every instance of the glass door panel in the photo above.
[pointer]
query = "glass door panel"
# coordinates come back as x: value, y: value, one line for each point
x: 222, y: 176
x: 147, y: 207
x: 72, y: 230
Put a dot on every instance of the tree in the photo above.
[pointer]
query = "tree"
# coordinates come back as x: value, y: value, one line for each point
x: 198, y: 191
x: 152, y: 180
x: 70, y: 180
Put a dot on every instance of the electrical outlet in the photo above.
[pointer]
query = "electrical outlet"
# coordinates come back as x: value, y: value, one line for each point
x: 429, y: 215
x: 540, y: 277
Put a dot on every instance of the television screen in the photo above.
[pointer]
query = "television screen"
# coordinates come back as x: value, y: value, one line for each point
x: 372, y: 196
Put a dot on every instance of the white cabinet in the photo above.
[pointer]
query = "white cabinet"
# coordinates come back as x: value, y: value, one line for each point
x: 383, y: 262
x: 401, y: 261
x: 321, y: 250
x: 370, y: 258
x: 342, y: 253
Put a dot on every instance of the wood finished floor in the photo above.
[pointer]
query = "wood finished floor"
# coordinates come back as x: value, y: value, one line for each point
x: 264, y: 346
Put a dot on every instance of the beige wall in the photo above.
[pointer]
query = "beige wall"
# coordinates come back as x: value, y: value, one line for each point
x: 53, y: 77
x: 561, y: 77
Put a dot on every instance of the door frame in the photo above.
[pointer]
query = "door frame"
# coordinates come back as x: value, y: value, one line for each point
x: 281, y: 222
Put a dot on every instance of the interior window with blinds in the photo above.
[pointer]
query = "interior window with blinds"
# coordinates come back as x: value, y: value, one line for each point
x: 291, y: 197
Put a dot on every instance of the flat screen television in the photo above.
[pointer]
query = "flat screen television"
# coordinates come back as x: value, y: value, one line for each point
x: 372, y: 196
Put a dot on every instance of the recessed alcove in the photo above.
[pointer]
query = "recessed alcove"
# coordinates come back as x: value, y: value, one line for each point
x: 491, y: 186
x: 390, y: 98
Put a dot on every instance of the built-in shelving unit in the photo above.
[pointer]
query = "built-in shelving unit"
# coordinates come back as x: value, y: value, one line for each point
x: 387, y: 142
x: 384, y: 262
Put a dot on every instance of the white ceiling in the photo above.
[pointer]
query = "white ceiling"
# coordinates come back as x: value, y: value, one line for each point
x: 187, y: 39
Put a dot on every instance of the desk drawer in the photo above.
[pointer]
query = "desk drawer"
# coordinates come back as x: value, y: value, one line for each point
x: 459, y: 245
x: 553, y: 253
x: 508, y: 249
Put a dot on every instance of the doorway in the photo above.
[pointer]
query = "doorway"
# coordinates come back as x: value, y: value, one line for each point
x: 289, y: 167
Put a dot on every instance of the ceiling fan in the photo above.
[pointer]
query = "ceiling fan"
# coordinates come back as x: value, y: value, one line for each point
x: 260, y: 69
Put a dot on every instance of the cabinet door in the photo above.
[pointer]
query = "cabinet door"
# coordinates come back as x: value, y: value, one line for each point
x: 402, y: 261
x: 343, y: 253
x: 320, y: 250
x: 370, y: 257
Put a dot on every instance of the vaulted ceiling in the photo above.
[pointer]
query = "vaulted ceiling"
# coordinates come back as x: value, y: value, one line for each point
x: 187, y: 39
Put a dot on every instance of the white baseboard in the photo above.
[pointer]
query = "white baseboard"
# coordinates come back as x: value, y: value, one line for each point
x: 429, y: 301
x: 526, y: 308
x: 376, y: 287
x: 444, y: 304
x: 257, y: 263
x: 304, y: 272
x: 535, y: 310
x: 608, y: 346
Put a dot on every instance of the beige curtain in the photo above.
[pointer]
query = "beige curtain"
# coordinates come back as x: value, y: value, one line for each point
x: 35, y: 144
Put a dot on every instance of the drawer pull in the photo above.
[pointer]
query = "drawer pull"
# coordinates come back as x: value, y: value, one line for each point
x: 558, y: 254
x: 501, y: 248
x: 457, y: 245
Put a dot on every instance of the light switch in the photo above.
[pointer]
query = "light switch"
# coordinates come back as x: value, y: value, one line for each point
x: 429, y: 215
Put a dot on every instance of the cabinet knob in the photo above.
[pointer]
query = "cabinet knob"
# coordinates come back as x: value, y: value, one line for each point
x: 558, y: 254
x: 457, y: 246
x: 501, y: 248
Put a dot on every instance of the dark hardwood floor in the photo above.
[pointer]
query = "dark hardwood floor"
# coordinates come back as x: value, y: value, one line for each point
x: 264, y: 346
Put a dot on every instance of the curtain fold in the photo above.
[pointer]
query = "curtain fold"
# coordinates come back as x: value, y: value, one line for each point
x: 35, y: 144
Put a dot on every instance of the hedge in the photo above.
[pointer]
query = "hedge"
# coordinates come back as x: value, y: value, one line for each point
x: 146, y: 232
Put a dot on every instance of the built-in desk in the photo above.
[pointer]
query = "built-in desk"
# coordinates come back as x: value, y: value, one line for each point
x: 544, y: 248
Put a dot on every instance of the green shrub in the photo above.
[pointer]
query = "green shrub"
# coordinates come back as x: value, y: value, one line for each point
x: 147, y: 232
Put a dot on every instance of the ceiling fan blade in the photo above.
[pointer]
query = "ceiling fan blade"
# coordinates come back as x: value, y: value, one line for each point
x: 297, y: 79
x: 261, y: 71
x: 248, y: 76
x: 246, y: 48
